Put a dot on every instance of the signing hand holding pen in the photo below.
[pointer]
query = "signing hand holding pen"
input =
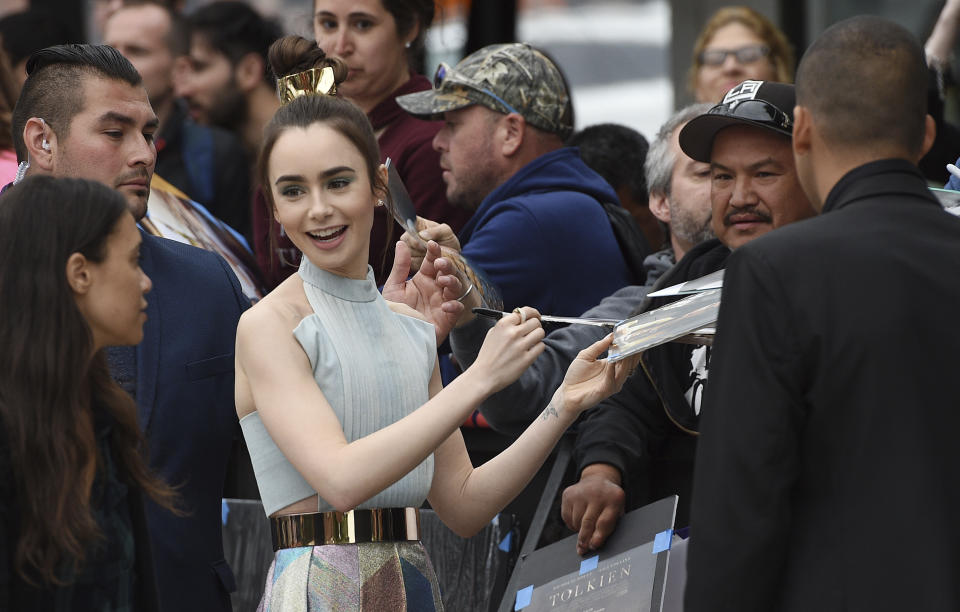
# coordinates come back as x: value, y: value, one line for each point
x: 510, y: 347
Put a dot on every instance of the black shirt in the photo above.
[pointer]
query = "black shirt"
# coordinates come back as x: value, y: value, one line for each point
x: 826, y: 467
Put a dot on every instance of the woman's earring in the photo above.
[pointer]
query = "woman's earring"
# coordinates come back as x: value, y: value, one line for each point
x: 407, y: 44
x: 380, y: 203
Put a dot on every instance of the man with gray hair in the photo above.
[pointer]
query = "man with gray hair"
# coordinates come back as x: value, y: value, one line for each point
x: 676, y: 185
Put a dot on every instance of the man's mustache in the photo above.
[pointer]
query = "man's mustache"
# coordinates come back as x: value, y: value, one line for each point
x: 141, y: 173
x: 749, y: 211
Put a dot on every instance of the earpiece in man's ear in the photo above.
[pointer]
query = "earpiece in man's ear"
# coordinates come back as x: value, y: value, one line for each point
x: 44, y: 145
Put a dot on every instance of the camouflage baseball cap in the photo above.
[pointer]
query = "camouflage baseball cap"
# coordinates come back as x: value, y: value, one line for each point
x: 505, y: 78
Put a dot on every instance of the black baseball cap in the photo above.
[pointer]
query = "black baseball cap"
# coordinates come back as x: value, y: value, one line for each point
x: 763, y: 104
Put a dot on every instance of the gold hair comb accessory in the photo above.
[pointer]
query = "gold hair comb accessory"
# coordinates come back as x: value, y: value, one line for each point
x: 309, y: 82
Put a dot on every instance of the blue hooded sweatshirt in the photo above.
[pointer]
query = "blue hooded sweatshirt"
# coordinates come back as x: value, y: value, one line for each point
x: 543, y: 239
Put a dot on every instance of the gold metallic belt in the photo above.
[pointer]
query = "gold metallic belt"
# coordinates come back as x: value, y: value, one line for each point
x: 352, y: 527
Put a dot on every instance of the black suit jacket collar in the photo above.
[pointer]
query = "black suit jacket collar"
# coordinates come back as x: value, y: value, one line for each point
x: 878, y: 178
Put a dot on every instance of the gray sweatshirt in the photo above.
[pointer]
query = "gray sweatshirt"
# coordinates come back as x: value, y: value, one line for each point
x: 513, y: 408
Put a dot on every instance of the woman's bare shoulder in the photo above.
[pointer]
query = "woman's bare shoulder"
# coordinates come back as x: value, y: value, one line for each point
x: 282, y: 308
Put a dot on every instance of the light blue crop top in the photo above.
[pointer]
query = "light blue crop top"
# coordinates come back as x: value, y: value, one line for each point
x: 373, y: 366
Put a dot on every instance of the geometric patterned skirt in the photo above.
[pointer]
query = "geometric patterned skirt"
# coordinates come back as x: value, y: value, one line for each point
x: 369, y: 576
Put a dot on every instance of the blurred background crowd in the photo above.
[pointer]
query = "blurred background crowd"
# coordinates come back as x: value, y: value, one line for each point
x: 627, y: 60
x: 628, y: 65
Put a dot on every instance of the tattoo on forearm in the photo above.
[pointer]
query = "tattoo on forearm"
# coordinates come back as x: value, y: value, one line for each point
x: 550, y: 410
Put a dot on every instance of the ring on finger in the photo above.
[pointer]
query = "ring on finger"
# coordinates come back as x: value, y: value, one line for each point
x: 523, y: 315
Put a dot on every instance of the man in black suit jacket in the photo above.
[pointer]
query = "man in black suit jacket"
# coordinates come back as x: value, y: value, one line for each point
x: 826, y: 471
x: 83, y: 112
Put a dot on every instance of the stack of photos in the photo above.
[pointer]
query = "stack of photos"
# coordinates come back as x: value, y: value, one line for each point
x: 690, y: 320
x: 949, y: 199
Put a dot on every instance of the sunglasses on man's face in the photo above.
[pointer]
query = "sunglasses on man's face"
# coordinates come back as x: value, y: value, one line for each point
x: 744, y: 55
x: 443, y: 71
x: 754, y: 110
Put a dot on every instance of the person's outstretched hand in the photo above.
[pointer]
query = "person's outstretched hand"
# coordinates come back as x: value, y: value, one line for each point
x: 589, y: 379
x: 432, y: 291
x: 593, y: 506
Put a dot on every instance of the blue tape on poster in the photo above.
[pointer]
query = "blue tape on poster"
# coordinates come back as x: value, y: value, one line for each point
x: 662, y: 541
x: 588, y: 565
x: 505, y: 543
x: 523, y: 598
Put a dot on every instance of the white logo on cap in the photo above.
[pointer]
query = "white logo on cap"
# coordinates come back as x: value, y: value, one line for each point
x: 744, y: 91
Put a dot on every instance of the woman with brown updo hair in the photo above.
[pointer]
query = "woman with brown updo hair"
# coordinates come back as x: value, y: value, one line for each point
x: 295, y: 54
x: 738, y: 43
x: 338, y: 391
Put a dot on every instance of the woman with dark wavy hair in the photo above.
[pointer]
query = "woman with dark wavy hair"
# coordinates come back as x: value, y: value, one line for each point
x: 72, y: 532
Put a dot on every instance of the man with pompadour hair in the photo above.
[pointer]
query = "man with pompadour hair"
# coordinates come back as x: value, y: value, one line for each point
x: 60, y: 69
x: 61, y: 81
x: 829, y: 433
x: 84, y: 113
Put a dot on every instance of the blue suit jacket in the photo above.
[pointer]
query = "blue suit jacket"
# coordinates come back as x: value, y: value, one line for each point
x: 186, y: 410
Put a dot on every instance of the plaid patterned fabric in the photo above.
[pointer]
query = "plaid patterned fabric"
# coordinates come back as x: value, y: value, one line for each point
x: 393, y: 576
x: 106, y: 581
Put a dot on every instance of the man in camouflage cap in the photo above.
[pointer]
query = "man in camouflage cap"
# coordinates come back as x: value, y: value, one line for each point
x: 511, y: 78
x: 507, y: 112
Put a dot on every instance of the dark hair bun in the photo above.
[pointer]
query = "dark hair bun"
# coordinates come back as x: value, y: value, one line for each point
x: 293, y: 54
